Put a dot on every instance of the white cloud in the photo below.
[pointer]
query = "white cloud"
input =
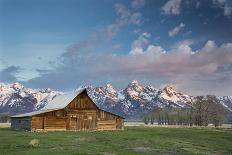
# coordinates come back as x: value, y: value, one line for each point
x: 225, y: 5
x: 198, y: 4
x: 209, y: 46
x: 138, y: 45
x: 136, y: 18
x: 136, y: 51
x: 172, y: 7
x: 126, y: 16
x: 137, y: 4
x: 155, y: 50
x: 187, y: 33
x: 176, y: 30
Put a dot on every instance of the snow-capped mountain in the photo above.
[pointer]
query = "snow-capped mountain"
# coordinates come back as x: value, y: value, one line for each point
x: 15, y: 98
x: 134, y: 100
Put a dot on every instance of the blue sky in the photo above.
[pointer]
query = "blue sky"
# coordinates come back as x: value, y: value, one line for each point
x: 63, y: 44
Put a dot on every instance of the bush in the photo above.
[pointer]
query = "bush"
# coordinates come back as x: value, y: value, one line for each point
x: 4, y: 117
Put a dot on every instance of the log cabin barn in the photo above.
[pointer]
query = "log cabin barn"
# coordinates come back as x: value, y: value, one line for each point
x: 73, y: 111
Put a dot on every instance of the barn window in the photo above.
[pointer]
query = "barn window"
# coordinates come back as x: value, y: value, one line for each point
x: 20, y: 121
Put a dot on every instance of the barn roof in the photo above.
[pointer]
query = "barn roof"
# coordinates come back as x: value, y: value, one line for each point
x: 59, y: 102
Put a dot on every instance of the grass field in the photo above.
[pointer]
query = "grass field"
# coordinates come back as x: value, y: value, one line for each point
x: 133, y: 140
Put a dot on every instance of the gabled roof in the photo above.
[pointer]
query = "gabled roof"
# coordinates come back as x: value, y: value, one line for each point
x: 59, y: 102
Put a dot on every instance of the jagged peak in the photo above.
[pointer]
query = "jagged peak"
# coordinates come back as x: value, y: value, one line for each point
x: 134, y: 82
x: 150, y: 87
x: 17, y: 86
x: 170, y: 88
x: 110, y: 89
x: 109, y: 85
x: 46, y: 90
x: 133, y: 86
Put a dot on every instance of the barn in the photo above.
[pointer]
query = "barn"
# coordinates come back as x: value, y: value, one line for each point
x: 72, y: 111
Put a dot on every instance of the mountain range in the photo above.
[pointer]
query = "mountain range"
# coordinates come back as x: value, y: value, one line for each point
x: 133, y: 101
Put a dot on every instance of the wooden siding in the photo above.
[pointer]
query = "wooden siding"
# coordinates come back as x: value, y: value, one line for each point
x: 21, y: 123
x: 80, y: 114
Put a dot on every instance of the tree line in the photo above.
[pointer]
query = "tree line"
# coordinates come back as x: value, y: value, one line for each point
x: 4, y: 117
x: 202, y: 111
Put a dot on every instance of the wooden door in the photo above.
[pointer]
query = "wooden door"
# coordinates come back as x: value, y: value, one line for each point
x: 73, y: 123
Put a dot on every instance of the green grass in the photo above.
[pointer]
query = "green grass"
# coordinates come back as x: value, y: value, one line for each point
x: 133, y: 140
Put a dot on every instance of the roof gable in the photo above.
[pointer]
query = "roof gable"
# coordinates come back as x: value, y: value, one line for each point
x: 61, y: 101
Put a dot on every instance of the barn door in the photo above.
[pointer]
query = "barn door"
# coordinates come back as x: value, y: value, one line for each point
x: 73, y: 123
x: 81, y: 122
x: 85, y: 122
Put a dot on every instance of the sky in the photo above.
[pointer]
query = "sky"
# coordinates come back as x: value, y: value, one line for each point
x: 63, y: 44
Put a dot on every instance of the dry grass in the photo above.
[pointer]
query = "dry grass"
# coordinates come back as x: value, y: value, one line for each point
x: 4, y: 125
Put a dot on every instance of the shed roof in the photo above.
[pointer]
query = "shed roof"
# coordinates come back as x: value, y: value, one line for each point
x: 59, y: 102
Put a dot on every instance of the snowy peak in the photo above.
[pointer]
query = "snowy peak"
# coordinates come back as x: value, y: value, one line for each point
x: 17, y: 86
x: 134, y: 86
x: 110, y: 89
x: 15, y: 98
x: 169, y: 89
x: 171, y: 94
x: 133, y: 89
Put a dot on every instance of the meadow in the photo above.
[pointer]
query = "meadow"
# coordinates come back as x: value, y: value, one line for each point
x: 133, y: 140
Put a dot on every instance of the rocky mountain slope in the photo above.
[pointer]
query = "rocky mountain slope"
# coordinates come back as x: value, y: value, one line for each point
x: 134, y: 100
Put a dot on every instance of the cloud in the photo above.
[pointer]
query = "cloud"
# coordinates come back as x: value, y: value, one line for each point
x: 137, y: 4
x: 187, y: 33
x: 138, y: 45
x: 225, y: 5
x: 108, y: 32
x: 176, y: 30
x: 126, y: 16
x: 198, y: 4
x: 195, y: 70
x: 8, y: 74
x: 172, y: 7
